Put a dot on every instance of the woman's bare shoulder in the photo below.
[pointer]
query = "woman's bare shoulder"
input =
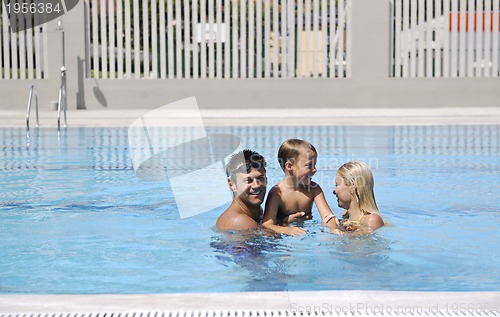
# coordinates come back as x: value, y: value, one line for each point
x: 373, y: 221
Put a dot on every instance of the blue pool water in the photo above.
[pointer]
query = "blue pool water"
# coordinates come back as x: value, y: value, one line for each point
x: 74, y: 218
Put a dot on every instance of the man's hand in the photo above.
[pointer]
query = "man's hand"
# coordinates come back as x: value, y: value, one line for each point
x: 298, y: 215
x: 294, y: 231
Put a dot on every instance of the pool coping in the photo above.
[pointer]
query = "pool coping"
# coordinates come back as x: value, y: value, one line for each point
x: 329, y: 302
x: 265, y: 117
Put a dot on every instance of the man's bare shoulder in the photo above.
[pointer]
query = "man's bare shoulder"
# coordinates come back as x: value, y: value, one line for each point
x: 231, y: 219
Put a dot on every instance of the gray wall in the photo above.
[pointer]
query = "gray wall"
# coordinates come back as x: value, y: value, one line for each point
x: 369, y: 85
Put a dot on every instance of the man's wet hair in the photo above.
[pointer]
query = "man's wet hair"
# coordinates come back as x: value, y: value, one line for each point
x: 243, y: 162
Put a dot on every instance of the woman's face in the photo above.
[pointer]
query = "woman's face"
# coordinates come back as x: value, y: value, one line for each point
x: 343, y: 192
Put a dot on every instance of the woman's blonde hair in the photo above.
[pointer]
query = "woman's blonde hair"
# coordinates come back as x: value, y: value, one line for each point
x: 358, y: 173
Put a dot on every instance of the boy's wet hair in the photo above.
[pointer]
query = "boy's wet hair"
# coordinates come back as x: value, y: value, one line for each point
x: 290, y: 150
x: 243, y: 162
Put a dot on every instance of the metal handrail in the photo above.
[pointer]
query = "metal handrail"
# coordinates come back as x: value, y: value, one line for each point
x: 62, y: 89
x: 62, y: 101
x: 28, y: 110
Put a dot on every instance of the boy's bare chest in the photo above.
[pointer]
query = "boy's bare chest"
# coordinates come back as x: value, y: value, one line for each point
x: 294, y: 201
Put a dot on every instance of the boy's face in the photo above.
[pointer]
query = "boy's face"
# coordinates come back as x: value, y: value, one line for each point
x: 304, y: 167
x: 250, y: 187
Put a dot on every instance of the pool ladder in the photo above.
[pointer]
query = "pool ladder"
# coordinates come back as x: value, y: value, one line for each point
x: 61, y: 104
x: 28, y: 111
x: 62, y: 100
x: 62, y: 89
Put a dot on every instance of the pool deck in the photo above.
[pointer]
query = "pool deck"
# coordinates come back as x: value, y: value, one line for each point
x: 258, y: 117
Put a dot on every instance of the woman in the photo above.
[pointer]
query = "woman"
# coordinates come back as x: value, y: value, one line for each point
x: 354, y: 192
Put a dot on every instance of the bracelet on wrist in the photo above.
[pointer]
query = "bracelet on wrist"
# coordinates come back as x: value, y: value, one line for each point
x: 328, y: 218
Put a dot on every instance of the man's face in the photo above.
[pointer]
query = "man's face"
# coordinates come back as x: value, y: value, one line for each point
x: 251, y: 187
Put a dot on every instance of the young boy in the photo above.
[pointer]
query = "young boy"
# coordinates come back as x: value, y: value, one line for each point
x: 293, y: 196
x: 246, y: 172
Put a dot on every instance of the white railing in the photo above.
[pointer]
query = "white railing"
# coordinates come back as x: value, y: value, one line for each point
x: 434, y: 38
x: 232, y: 39
x: 260, y: 39
x: 23, y: 52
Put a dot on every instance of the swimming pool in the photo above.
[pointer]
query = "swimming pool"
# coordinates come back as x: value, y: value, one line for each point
x: 76, y: 220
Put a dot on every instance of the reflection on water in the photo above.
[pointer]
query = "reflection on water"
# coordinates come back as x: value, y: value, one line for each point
x: 318, y: 260
x: 108, y: 147
x: 254, y: 251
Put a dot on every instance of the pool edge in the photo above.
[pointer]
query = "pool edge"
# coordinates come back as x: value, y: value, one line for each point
x: 263, y: 117
x: 329, y: 302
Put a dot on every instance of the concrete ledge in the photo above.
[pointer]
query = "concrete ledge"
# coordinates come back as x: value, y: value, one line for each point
x: 359, y: 302
x: 231, y: 94
x: 263, y: 117
x: 294, y: 93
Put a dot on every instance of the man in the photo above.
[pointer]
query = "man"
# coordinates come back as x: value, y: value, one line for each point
x: 246, y: 172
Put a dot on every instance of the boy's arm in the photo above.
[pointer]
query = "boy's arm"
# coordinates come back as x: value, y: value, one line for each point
x: 327, y: 216
x: 271, y: 213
